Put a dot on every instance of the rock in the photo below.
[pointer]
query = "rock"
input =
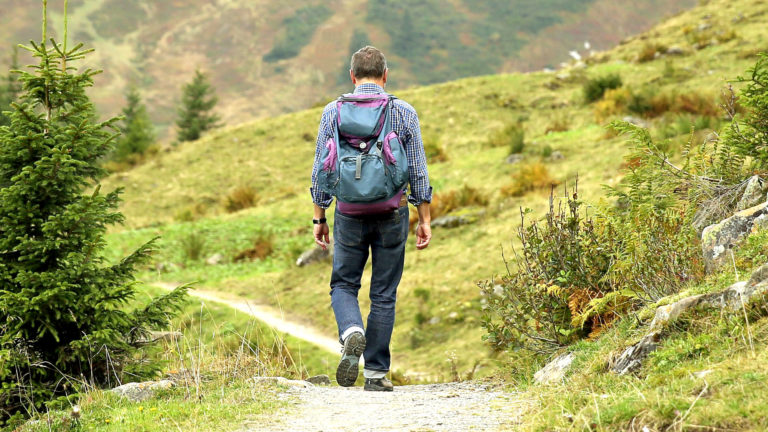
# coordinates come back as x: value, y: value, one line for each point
x: 759, y: 275
x: 319, y: 380
x: 514, y: 158
x: 555, y: 370
x: 215, y: 259
x: 632, y: 358
x: 434, y: 320
x: 556, y: 155
x: 281, y: 381
x: 449, y: 222
x: 718, y: 238
x: 675, y: 50
x: 636, y: 121
x: 316, y: 254
x: 731, y: 299
x: 137, y: 392
x: 754, y: 193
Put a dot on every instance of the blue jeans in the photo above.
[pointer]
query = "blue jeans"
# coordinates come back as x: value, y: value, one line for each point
x: 385, y: 237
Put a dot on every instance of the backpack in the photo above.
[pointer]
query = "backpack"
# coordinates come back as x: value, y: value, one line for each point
x: 364, y: 164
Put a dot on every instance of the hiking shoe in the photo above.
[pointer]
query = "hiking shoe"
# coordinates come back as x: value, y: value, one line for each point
x: 346, y: 373
x: 378, y: 384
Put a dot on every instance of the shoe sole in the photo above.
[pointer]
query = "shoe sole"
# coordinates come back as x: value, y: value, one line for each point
x: 348, y: 370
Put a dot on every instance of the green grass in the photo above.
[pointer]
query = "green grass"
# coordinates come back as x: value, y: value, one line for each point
x: 214, y: 361
x: 274, y: 156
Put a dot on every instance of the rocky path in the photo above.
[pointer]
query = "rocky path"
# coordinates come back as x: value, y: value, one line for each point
x: 271, y: 316
x: 465, y: 406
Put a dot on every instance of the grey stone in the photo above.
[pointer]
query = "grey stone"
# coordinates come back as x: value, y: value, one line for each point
x: 514, y: 158
x: 434, y: 320
x: 636, y: 121
x: 282, y: 381
x: 759, y: 275
x: 137, y: 392
x: 675, y: 50
x: 555, y: 370
x: 319, y: 380
x: 449, y: 222
x: 717, y: 239
x: 632, y: 358
x: 556, y: 155
x: 754, y: 193
x: 215, y: 259
x: 731, y: 299
x: 316, y: 254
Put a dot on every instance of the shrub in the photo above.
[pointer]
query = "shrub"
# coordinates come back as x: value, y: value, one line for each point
x: 447, y: 202
x: 263, y: 247
x: 649, y: 52
x: 240, y: 198
x: 559, y: 124
x: 511, y: 135
x: 595, y: 88
x: 434, y: 151
x: 613, y: 103
x: 530, y: 176
x: 193, y: 246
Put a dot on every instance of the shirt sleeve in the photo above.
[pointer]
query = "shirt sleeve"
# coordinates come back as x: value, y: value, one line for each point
x: 421, y: 191
x: 322, y: 199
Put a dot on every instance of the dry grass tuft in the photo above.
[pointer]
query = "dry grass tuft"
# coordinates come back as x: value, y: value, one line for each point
x: 531, y: 176
x: 241, y: 198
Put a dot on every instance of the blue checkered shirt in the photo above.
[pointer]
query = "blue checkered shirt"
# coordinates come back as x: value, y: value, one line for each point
x: 405, y: 122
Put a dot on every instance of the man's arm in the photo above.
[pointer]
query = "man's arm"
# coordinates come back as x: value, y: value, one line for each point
x: 320, y: 199
x: 424, y: 229
x: 421, y: 191
x: 321, y: 231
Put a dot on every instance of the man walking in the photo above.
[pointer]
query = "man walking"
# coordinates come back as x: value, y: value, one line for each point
x: 383, y: 234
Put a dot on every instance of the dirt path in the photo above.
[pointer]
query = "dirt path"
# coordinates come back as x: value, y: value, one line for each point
x: 271, y: 316
x: 435, y: 407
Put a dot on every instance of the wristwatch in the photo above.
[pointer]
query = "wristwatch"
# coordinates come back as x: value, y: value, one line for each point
x: 318, y: 221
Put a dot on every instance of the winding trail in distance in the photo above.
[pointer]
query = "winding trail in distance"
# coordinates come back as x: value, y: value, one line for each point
x: 268, y: 315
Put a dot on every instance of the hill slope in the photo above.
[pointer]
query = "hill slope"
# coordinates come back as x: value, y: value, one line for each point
x: 267, y: 58
x: 179, y: 195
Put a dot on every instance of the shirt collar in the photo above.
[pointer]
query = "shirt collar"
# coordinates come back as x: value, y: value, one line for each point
x: 368, y: 88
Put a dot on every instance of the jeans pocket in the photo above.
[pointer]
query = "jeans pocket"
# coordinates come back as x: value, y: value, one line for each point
x: 347, y: 231
x: 394, y: 230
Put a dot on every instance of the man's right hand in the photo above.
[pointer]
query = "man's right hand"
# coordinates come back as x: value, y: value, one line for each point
x: 322, y: 235
x: 423, y: 235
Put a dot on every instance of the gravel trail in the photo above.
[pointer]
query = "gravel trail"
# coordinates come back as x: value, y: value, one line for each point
x: 467, y: 406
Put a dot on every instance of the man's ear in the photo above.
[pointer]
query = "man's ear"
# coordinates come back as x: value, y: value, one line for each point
x: 352, y: 77
x: 386, y: 72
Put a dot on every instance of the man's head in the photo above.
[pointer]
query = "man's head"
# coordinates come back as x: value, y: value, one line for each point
x: 368, y: 65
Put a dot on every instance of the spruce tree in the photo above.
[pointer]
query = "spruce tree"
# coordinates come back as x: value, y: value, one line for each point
x: 63, y: 307
x: 136, y: 129
x: 9, y: 88
x: 195, y: 114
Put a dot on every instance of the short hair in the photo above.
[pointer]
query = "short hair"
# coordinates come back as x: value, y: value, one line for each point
x: 368, y: 62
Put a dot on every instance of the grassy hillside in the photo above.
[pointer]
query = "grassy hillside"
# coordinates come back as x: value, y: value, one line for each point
x: 268, y: 58
x: 181, y: 195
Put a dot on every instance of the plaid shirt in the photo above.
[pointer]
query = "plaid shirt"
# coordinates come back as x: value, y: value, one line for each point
x: 405, y: 122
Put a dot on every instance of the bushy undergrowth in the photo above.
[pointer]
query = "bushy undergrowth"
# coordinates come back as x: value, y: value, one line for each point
x: 511, y: 136
x: 579, y: 270
x: 595, y: 88
x: 531, y: 176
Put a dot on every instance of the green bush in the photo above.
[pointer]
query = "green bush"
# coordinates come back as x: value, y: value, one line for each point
x: 512, y: 136
x: 595, y: 88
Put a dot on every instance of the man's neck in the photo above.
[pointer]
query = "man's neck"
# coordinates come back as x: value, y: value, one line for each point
x: 369, y: 81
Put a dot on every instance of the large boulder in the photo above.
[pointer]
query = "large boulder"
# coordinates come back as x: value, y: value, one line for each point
x: 733, y: 299
x: 137, y: 392
x: 316, y: 254
x: 754, y: 193
x: 718, y: 239
x: 555, y: 370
